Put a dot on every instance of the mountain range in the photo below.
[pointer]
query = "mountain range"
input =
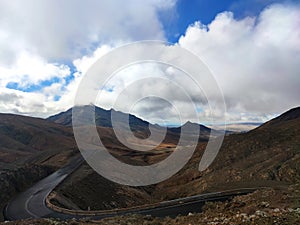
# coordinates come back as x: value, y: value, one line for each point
x: 266, y: 155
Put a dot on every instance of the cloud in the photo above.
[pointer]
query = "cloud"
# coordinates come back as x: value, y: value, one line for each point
x: 31, y: 70
x: 155, y: 92
x: 68, y: 29
x: 255, y: 60
x: 243, y: 8
x: 84, y: 63
x: 41, y: 42
x: 13, y: 101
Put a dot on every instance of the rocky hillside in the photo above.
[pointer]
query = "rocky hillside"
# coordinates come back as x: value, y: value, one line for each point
x: 32, y: 140
x: 261, y: 156
x: 30, y: 149
x: 263, y: 207
x: 266, y: 156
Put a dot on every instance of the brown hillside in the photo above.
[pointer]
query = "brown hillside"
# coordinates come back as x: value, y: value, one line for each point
x: 32, y: 140
x: 266, y: 156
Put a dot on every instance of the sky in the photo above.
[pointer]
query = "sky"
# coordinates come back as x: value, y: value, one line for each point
x: 252, y: 48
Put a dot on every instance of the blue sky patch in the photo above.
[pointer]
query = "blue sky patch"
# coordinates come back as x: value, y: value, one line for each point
x: 189, y: 11
x: 32, y: 87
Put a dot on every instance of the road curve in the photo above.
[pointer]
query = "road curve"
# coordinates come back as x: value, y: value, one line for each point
x: 32, y: 202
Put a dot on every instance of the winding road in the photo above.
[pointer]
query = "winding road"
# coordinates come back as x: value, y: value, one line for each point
x: 32, y: 202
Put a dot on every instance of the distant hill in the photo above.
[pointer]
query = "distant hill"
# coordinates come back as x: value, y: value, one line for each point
x: 239, y: 127
x: 202, y: 128
x: 103, y: 119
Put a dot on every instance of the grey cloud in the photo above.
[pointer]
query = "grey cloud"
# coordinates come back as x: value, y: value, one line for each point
x: 8, y: 97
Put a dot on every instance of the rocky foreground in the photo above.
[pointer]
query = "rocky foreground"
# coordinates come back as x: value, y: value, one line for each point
x: 268, y: 206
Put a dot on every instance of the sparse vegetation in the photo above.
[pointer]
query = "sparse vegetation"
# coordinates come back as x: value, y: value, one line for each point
x: 266, y: 156
x: 262, y: 207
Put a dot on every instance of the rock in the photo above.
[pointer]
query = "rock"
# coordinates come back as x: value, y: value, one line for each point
x: 261, y: 213
x: 265, y: 204
x: 252, y: 217
x: 290, y: 210
x: 276, y: 210
x: 216, y: 219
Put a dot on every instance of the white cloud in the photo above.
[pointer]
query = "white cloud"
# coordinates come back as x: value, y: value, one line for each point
x: 13, y: 101
x: 35, y: 35
x: 67, y: 29
x: 31, y: 70
x: 84, y: 63
x: 255, y: 60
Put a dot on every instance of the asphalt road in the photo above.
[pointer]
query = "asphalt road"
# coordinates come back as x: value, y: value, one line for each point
x: 31, y: 203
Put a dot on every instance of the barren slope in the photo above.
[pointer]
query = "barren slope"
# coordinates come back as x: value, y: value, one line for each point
x: 266, y: 156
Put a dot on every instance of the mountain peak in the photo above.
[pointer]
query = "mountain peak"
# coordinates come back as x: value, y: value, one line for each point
x: 189, y: 123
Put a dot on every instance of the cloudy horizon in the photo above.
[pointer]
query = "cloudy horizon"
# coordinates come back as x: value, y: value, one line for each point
x: 253, y: 53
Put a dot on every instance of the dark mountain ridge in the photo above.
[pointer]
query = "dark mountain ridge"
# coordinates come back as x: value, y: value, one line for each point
x: 103, y: 119
x: 292, y: 114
